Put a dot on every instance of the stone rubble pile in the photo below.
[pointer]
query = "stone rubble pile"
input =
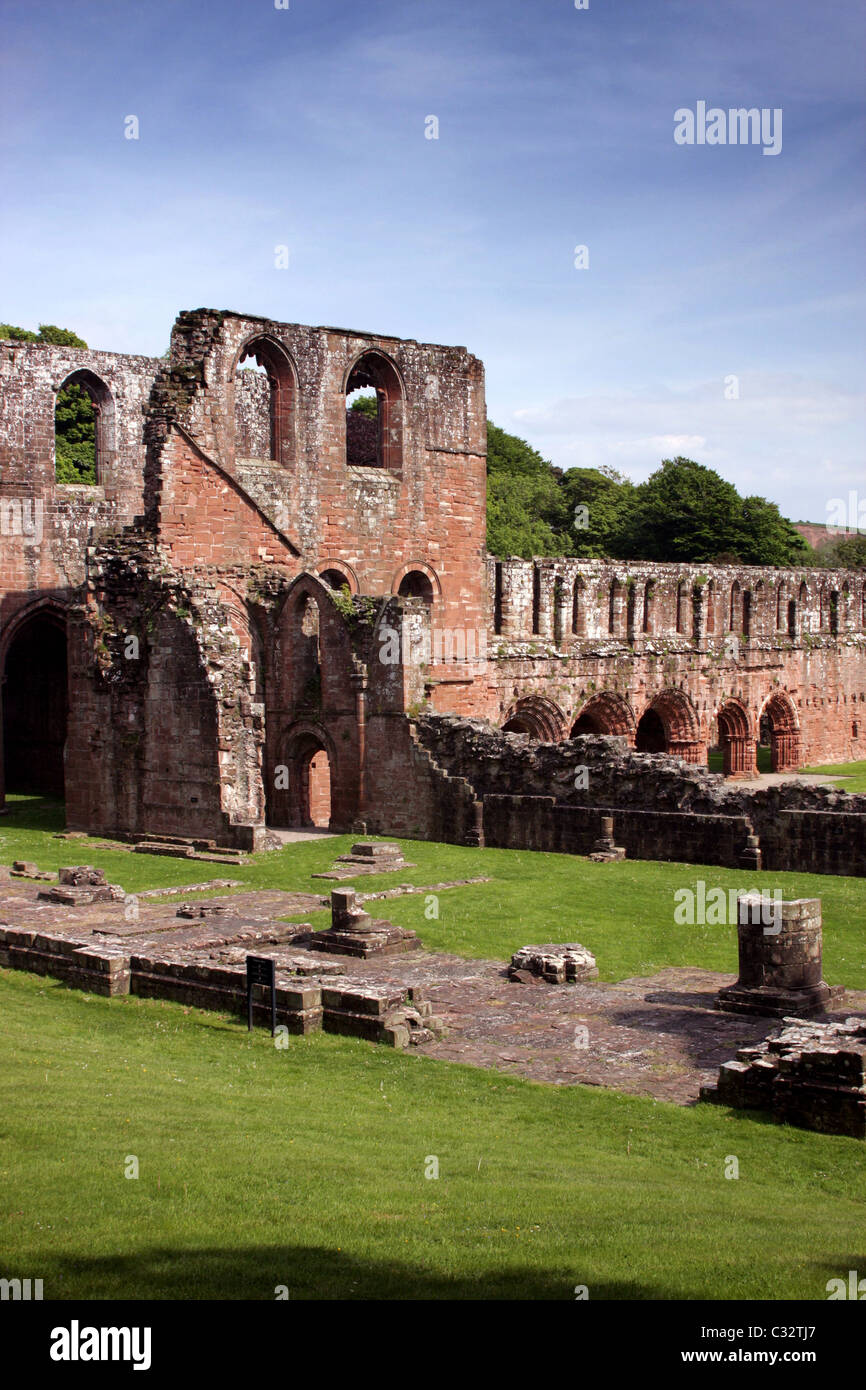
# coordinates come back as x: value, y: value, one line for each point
x: 80, y: 885
x: 809, y: 1074
x: 560, y: 965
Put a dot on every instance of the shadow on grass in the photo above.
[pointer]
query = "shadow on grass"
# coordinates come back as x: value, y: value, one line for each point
x: 33, y: 813
x: 305, y: 1272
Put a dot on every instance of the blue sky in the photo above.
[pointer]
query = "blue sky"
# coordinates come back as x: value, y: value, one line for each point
x: 305, y: 127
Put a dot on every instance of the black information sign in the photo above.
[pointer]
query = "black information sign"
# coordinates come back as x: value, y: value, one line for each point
x: 261, y: 970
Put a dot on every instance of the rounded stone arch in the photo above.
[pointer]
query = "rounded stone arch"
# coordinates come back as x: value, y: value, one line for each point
x: 282, y: 375
x: 102, y: 399
x: 374, y: 368
x: 538, y: 717
x: 736, y: 739
x: 605, y: 713
x: 336, y: 573
x: 34, y: 674
x: 780, y: 714
x: 307, y: 583
x: 304, y: 777
x: 670, y: 724
x: 417, y: 580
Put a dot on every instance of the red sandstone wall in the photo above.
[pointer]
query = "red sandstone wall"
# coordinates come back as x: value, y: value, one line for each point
x: 551, y: 673
x: 426, y: 511
x: 205, y: 518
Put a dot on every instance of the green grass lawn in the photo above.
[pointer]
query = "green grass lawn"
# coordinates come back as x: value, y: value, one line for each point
x: 854, y: 775
x: 715, y: 759
x: 623, y: 913
x: 305, y: 1167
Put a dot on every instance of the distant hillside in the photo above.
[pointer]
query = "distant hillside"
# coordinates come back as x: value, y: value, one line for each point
x: 817, y: 535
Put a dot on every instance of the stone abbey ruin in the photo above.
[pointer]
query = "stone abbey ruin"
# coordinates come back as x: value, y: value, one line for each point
x: 267, y: 613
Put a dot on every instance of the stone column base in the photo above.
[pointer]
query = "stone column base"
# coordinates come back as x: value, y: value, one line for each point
x: 778, y: 1003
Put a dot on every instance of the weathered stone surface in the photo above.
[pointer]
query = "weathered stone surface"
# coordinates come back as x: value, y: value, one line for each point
x: 80, y: 885
x: 560, y: 965
x: 228, y: 588
x: 554, y: 796
x: 780, y: 959
x: 809, y: 1074
x: 355, y: 933
x: 368, y: 857
x: 82, y: 876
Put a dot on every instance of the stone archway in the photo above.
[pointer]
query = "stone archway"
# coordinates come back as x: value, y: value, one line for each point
x: 537, y: 717
x: 784, y: 727
x: 301, y: 797
x: 35, y: 703
x: 605, y: 713
x: 670, y: 725
x: 736, y: 741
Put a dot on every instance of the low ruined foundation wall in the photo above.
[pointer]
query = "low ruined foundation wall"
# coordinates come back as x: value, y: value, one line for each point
x: 303, y: 1006
x: 552, y: 796
x: 541, y: 823
x: 818, y: 842
x: 410, y: 795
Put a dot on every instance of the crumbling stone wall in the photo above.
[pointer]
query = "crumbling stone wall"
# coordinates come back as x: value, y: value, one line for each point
x: 549, y: 796
x: 226, y: 521
x: 425, y: 510
x: 163, y: 736
x: 45, y: 526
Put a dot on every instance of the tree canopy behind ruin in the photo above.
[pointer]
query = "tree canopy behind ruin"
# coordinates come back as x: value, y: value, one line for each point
x: 683, y: 512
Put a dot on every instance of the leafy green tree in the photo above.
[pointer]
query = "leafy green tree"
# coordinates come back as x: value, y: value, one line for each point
x: 75, y: 436
x: 60, y: 337
x: 598, y: 502
x: 848, y: 553
x: 366, y: 405
x: 17, y: 335
x: 527, y: 511
x: 48, y: 333
x: 768, y: 537
x: 686, y: 512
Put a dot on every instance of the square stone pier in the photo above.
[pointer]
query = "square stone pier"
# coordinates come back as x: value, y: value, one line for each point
x: 355, y: 933
x: 780, y: 947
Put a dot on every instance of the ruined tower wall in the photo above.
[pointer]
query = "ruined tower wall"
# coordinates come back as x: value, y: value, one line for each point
x: 423, y: 511
x: 44, y: 556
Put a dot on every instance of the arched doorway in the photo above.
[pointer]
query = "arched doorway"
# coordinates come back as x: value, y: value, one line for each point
x: 301, y: 796
x: 671, y: 725
x: 605, y: 714
x: 35, y: 705
x: 780, y: 724
x: 651, y: 736
x: 736, y: 742
x: 315, y: 788
x: 537, y: 717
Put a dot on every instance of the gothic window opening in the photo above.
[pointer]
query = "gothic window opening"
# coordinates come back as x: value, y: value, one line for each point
x: 374, y: 414
x: 83, y: 430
